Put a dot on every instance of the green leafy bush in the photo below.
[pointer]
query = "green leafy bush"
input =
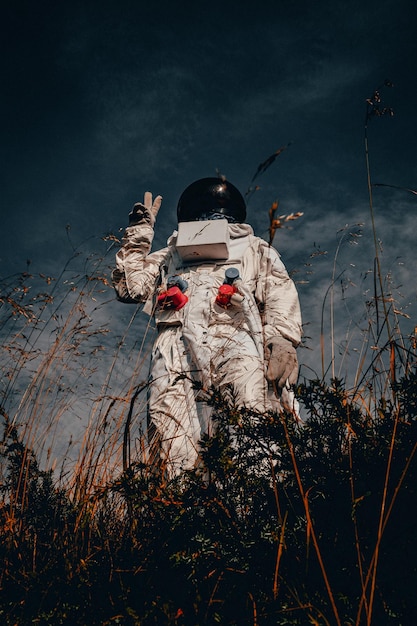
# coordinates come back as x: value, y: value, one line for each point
x: 282, y: 524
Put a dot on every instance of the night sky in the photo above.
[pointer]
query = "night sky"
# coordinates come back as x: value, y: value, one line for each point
x: 102, y: 101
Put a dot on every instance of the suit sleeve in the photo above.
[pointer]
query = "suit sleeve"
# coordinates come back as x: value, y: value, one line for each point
x: 137, y: 270
x: 278, y: 298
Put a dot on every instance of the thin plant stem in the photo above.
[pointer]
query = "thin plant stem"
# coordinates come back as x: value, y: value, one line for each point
x: 310, y: 526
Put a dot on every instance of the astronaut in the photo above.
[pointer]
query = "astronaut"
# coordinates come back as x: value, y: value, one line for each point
x: 226, y: 311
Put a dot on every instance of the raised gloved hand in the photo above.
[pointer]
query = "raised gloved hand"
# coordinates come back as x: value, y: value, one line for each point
x: 145, y: 213
x: 283, y: 363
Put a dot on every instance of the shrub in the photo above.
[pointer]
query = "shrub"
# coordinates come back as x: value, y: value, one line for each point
x: 281, y: 524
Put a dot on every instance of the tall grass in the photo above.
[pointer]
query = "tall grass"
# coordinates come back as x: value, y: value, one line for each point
x: 67, y: 374
x: 295, y: 525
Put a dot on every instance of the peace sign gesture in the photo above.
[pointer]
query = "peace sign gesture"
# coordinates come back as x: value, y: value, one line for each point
x: 145, y: 212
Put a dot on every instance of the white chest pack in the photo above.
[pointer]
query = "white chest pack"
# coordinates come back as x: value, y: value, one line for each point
x: 203, y: 241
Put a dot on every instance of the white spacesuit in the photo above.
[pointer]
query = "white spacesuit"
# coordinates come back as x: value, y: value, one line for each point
x: 226, y: 311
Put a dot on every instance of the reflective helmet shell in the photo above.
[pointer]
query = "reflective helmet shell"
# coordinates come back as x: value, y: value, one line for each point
x: 209, y: 197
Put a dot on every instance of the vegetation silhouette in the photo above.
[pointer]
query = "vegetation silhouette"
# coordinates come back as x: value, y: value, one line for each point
x: 281, y: 524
